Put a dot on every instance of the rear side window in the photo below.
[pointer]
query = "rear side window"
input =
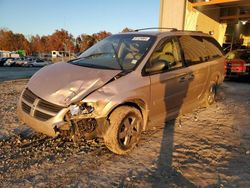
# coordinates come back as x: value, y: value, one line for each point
x: 193, y: 48
x: 213, y: 48
x: 245, y: 55
x: 199, y: 49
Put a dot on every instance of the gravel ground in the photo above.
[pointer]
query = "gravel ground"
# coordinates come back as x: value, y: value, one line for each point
x: 209, y: 147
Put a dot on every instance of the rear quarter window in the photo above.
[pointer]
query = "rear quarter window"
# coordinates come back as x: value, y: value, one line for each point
x: 213, y: 48
x: 245, y: 55
x: 198, y: 49
x: 193, y: 48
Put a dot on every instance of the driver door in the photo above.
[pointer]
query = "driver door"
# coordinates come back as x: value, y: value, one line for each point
x: 169, y: 85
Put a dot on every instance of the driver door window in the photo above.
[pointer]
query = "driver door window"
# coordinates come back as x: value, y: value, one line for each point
x: 168, y: 52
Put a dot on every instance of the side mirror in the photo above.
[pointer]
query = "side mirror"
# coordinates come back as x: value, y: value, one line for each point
x: 157, y: 66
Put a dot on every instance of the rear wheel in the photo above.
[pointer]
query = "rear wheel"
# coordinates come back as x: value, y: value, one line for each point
x: 211, y: 93
x: 124, y: 131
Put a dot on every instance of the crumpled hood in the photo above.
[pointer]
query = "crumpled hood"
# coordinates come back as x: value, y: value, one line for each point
x: 64, y: 83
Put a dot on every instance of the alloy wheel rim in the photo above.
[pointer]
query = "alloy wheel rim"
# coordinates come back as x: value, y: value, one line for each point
x: 211, y: 95
x: 129, y: 131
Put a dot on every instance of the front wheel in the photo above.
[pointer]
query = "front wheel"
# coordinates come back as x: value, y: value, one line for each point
x: 124, y: 131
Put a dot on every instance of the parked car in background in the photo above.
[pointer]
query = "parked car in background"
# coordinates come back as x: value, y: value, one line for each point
x: 124, y: 85
x: 10, y: 62
x: 39, y: 63
x: 3, y: 60
x: 28, y: 61
x: 20, y: 61
x: 237, y: 63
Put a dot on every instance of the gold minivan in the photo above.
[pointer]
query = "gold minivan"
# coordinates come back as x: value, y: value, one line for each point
x: 123, y: 85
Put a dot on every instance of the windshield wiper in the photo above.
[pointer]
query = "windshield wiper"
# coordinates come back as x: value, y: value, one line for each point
x: 72, y: 60
x: 116, y: 57
x: 96, y: 54
x: 85, y: 57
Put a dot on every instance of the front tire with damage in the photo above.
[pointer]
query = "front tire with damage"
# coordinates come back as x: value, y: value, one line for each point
x: 124, y: 131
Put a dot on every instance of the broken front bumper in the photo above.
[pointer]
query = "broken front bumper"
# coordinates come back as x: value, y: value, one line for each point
x: 51, y: 119
x: 45, y: 127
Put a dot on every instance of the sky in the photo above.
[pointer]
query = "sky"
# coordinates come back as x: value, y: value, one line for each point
x: 43, y: 17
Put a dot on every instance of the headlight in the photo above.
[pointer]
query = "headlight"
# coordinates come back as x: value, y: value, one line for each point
x: 74, y: 110
x: 81, y: 108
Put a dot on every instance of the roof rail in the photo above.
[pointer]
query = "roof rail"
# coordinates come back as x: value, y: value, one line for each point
x: 150, y: 28
x: 190, y: 31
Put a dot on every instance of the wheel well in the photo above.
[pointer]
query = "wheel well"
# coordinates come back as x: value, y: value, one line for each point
x: 139, y: 105
x: 217, y: 78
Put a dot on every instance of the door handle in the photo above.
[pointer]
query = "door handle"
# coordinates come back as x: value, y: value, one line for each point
x: 182, y: 79
x: 190, y: 77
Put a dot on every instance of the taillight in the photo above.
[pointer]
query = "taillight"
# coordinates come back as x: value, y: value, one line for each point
x: 238, y: 65
x: 247, y: 67
x: 244, y: 68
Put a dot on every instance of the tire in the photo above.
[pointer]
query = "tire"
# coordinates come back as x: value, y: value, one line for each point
x: 211, y: 94
x: 124, y: 131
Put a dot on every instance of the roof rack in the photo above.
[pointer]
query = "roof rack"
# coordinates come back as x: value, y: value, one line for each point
x: 150, y: 28
x: 168, y: 28
x: 190, y: 31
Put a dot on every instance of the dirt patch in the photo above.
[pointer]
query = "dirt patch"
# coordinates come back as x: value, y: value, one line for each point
x: 209, y: 148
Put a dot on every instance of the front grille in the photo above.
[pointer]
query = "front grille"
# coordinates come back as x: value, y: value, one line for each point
x: 37, y: 107
x: 49, y: 106
x: 26, y: 108
x: 29, y: 96
x: 42, y: 116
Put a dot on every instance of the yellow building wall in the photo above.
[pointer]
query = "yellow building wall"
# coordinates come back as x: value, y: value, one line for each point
x: 246, y: 40
x: 207, y: 25
x: 173, y: 13
x: 196, y: 20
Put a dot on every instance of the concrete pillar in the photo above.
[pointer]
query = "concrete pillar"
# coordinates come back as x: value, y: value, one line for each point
x: 172, y: 13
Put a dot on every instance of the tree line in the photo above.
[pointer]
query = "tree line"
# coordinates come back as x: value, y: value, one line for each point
x: 60, y: 40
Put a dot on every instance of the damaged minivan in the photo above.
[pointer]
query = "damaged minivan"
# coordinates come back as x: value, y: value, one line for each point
x: 124, y: 85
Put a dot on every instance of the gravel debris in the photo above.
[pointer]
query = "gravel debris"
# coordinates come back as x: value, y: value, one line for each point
x: 206, y: 148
